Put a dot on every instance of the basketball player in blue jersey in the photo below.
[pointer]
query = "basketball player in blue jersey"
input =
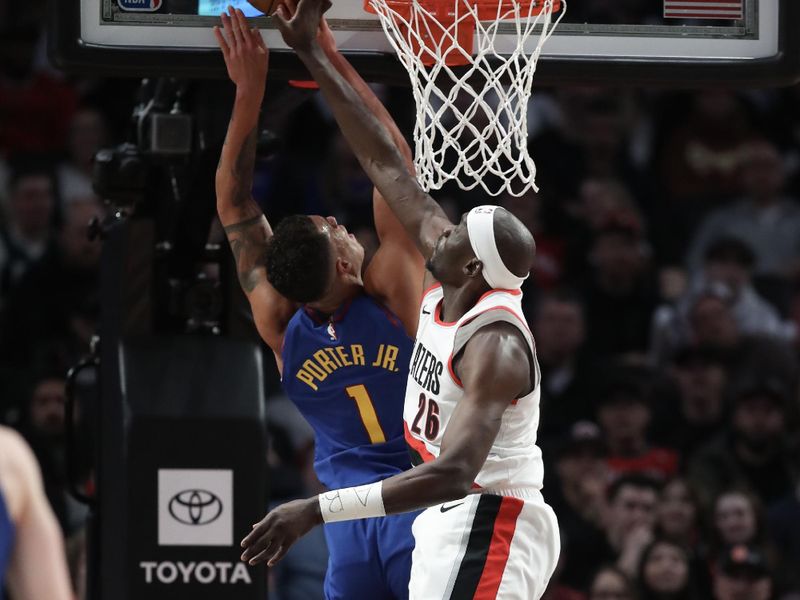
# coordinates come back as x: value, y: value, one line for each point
x: 341, y: 341
x: 32, y: 561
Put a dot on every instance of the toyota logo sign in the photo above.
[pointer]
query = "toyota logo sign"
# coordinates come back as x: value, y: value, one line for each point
x: 195, y: 507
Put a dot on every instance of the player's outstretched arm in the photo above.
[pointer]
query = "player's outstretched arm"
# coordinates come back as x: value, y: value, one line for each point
x: 495, y: 370
x: 396, y: 272
x: 422, y: 217
x: 38, y: 567
x: 246, y: 58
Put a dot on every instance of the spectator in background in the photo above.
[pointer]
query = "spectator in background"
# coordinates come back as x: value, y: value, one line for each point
x: 712, y: 324
x: 728, y: 268
x: 742, y: 573
x: 753, y: 452
x: 43, y: 425
x: 628, y: 528
x: 610, y: 583
x: 765, y: 219
x: 678, y: 513
x: 737, y: 518
x: 35, y: 106
x: 702, y: 156
x: 665, y: 574
x: 87, y: 134
x: 679, y: 523
x: 566, y: 391
x: 698, y: 413
x: 29, y: 228
x: 590, y: 140
x: 730, y: 261
x: 624, y: 413
x: 55, y: 303
x: 578, y: 495
x: 620, y: 294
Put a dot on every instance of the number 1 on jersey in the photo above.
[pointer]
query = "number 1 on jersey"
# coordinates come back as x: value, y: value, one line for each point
x: 366, y: 409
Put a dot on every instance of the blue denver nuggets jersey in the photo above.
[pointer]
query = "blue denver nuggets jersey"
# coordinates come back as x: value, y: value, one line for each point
x: 6, y: 540
x: 347, y: 376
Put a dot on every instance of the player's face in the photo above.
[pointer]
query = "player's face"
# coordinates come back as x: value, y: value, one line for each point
x: 344, y: 244
x: 450, y: 253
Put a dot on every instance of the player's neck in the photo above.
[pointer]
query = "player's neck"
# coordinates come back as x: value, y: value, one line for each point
x: 457, y: 301
x: 331, y: 303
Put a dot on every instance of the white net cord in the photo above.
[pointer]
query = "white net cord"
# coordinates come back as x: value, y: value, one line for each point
x: 471, y: 123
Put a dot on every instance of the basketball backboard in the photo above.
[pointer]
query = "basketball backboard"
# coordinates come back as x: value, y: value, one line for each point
x: 671, y: 42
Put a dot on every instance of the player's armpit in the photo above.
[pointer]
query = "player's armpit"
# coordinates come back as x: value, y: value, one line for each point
x: 395, y: 277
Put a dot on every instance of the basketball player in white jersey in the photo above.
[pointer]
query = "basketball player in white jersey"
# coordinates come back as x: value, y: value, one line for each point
x: 472, y: 400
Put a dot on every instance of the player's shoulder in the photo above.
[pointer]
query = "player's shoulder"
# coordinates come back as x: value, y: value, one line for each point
x: 15, y: 452
x: 18, y: 468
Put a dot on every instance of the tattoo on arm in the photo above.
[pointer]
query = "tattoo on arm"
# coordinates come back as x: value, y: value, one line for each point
x: 248, y: 241
x: 242, y: 169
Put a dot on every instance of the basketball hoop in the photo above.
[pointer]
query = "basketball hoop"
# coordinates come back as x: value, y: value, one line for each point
x: 471, y: 89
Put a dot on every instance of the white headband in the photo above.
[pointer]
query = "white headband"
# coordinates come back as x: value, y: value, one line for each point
x: 480, y: 227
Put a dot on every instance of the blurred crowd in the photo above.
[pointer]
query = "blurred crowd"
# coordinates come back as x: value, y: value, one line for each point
x: 665, y: 305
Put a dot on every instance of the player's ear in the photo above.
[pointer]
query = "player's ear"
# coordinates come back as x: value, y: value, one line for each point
x: 473, y: 268
x: 343, y: 267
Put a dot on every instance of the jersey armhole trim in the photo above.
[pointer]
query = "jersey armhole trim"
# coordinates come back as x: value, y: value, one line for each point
x: 450, y: 368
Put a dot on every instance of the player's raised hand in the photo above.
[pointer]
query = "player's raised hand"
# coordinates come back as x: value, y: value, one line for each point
x: 300, y: 29
x: 274, y: 534
x: 324, y: 33
x: 246, y: 55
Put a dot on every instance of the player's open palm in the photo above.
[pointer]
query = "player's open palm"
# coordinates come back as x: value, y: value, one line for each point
x: 246, y: 55
x: 301, y: 28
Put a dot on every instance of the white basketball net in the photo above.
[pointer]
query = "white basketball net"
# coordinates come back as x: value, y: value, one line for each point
x: 471, y: 124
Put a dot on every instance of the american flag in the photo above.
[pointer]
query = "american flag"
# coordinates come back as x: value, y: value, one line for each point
x: 704, y: 9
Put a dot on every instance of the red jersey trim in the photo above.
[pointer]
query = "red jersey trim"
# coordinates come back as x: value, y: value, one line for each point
x: 499, y: 549
x: 417, y: 445
x: 437, y: 316
x: 500, y: 291
x: 428, y: 291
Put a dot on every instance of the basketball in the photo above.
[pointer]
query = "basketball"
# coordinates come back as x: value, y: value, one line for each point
x: 265, y: 6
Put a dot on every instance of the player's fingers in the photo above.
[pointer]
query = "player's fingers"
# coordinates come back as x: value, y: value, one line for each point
x: 281, y: 18
x: 235, y: 31
x: 244, y: 28
x: 251, y: 538
x: 221, y: 41
x: 278, y: 555
x: 259, y: 558
x: 259, y: 40
x: 226, y: 25
x: 257, y: 547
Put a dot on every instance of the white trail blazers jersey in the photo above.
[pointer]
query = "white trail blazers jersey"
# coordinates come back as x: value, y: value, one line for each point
x: 433, y: 392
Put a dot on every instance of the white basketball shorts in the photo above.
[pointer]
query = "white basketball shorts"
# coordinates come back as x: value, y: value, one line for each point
x: 485, y: 547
